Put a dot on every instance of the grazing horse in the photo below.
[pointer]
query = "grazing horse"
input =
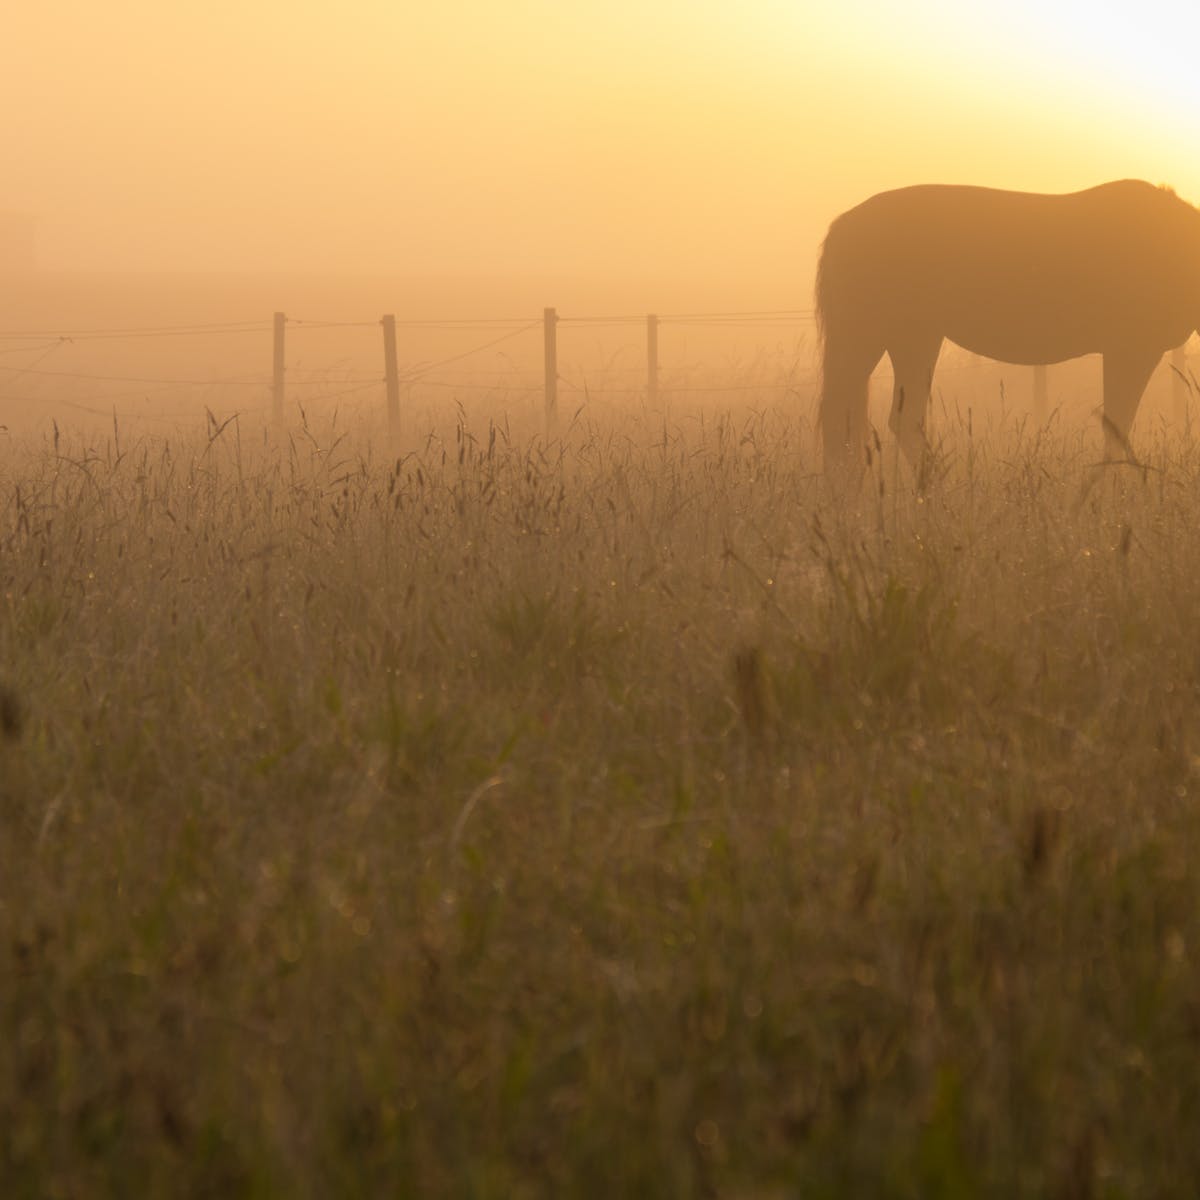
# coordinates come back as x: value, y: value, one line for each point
x: 1014, y: 276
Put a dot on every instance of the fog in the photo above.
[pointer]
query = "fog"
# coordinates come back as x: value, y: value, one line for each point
x: 607, y: 143
x: 418, y: 788
x: 187, y: 163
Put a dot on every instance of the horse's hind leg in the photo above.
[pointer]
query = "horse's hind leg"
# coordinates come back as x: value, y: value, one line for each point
x: 1126, y: 373
x: 913, y: 360
x: 845, y: 380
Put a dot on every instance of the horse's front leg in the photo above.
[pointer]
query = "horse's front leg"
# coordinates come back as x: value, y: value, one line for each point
x: 913, y: 361
x: 1126, y: 373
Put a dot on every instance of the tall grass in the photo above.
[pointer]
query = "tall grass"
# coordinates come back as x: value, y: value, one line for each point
x: 628, y: 815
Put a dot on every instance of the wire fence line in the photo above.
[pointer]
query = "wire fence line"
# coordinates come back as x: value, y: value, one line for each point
x: 329, y: 382
x: 307, y: 323
x: 134, y: 332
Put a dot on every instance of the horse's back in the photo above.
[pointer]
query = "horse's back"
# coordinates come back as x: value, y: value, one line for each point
x: 910, y: 224
x: 1021, y: 276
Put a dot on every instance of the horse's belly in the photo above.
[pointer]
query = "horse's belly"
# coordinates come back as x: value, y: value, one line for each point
x: 1028, y: 337
x: 1026, y: 351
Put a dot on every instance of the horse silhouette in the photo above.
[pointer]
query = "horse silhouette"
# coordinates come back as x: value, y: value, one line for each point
x: 1015, y: 276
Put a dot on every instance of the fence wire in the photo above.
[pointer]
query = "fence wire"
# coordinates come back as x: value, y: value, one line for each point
x: 308, y: 385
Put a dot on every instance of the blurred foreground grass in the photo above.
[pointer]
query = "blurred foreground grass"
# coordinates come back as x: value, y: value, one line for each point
x: 627, y: 817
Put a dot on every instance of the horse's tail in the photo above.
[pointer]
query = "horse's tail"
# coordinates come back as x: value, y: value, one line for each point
x: 839, y: 272
x: 824, y: 296
x: 834, y: 306
x: 842, y: 409
x: 821, y: 292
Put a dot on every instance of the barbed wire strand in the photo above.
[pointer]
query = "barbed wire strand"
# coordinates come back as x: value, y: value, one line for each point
x: 258, y: 326
x: 38, y: 345
x: 302, y: 325
x: 423, y: 368
x: 20, y: 371
x: 749, y: 314
x: 461, y: 322
x: 83, y: 335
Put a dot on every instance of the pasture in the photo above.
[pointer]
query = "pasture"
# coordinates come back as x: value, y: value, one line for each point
x: 629, y: 814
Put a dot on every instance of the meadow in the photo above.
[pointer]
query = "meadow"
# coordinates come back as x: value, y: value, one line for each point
x: 624, y: 814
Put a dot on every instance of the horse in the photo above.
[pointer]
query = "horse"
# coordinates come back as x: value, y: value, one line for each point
x: 1020, y: 277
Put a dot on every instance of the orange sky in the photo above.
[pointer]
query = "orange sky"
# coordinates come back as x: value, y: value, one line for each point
x: 637, y: 139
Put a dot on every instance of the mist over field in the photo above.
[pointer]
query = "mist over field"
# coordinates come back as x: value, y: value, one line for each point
x: 534, y: 763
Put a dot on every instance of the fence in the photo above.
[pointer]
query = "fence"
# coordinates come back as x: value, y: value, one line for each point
x: 25, y: 355
x: 550, y: 374
x: 40, y: 344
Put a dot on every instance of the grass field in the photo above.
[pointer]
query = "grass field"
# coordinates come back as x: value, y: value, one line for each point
x: 631, y: 816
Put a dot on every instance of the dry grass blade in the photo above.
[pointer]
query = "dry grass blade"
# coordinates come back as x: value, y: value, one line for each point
x: 832, y: 835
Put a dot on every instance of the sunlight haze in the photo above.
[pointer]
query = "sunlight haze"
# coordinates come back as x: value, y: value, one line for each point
x: 613, y: 141
x: 599, y: 598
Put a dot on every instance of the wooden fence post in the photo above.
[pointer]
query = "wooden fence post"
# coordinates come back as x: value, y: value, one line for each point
x: 652, y: 359
x: 391, y: 372
x: 550, y: 328
x: 1040, y: 392
x: 277, y: 373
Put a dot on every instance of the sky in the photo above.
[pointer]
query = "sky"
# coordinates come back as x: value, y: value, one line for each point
x: 634, y: 139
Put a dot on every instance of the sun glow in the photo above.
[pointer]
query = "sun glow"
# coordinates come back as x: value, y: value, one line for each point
x: 697, y: 138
